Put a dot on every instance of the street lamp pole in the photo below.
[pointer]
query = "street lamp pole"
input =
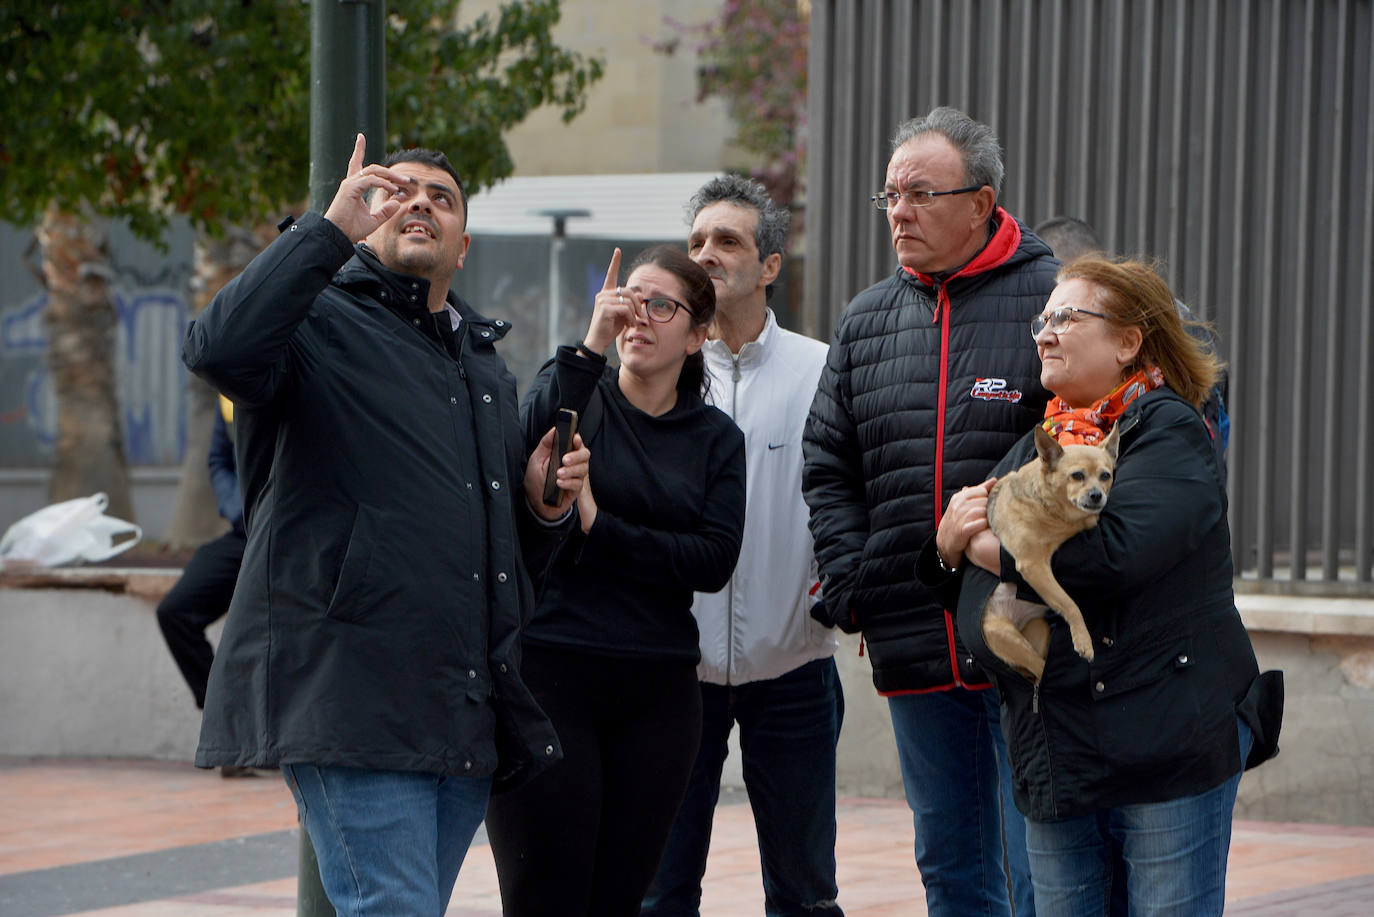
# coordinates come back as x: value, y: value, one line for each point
x: 347, y: 97
x: 557, y: 242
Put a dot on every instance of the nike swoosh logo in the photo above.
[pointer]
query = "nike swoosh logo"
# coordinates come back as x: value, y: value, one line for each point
x: 772, y: 446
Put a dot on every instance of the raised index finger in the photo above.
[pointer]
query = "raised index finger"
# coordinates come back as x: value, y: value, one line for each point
x: 613, y: 272
x: 355, y: 162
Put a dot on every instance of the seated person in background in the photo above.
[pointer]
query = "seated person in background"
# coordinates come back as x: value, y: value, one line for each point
x: 201, y: 597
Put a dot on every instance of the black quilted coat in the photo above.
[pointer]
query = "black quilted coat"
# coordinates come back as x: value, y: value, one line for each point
x: 928, y: 383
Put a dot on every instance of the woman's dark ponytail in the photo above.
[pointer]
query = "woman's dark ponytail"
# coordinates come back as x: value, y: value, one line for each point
x: 693, y: 377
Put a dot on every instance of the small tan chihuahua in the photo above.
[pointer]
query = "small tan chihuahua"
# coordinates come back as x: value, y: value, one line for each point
x: 1033, y: 510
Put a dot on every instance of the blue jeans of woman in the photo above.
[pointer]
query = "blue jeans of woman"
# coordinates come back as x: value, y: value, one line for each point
x: 969, y: 834
x: 1160, y: 859
x: 390, y: 843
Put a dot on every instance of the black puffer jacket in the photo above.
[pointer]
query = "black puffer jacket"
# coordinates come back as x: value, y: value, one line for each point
x: 376, y: 619
x: 927, y: 385
x: 1153, y: 716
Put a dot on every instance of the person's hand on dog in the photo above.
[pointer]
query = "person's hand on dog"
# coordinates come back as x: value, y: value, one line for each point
x: 965, y: 517
x: 985, y: 550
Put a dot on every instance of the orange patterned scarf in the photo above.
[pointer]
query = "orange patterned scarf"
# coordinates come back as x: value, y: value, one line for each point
x: 1088, y: 426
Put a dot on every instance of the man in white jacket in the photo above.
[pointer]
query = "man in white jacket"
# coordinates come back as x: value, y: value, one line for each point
x: 766, y: 664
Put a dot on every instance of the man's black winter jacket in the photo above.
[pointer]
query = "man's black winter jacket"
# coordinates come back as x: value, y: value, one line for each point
x: 376, y: 619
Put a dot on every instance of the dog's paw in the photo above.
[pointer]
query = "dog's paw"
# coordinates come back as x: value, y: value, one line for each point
x: 1083, y: 646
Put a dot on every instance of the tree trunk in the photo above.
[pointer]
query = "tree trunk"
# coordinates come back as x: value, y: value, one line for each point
x: 81, y: 325
x: 196, y: 519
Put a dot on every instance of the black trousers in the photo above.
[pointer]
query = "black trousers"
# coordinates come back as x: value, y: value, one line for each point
x: 199, y: 599
x: 585, y: 837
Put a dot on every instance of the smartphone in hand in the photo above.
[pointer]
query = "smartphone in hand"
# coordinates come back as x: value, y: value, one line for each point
x: 564, y: 429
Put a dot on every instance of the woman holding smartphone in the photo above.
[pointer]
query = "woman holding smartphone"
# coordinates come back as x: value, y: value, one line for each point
x: 611, y: 651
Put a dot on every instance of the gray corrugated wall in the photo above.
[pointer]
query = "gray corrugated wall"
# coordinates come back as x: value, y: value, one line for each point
x: 1231, y: 139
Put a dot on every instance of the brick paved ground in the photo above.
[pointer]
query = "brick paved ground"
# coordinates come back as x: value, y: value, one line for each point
x: 152, y: 839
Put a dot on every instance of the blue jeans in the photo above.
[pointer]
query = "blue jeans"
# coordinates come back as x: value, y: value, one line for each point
x: 789, y: 727
x: 958, y: 785
x: 388, y: 842
x: 1150, y: 860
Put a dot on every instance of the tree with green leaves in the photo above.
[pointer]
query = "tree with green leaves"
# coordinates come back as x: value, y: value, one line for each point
x: 141, y: 109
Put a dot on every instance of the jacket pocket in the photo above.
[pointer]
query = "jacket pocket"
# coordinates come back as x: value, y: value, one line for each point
x: 1154, y: 711
x: 354, y: 596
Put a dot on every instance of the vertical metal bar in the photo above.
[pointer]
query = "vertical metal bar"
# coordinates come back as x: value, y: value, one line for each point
x: 961, y: 64
x: 993, y: 67
x: 1332, y: 428
x: 1176, y: 220
x: 1240, y: 496
x: 895, y: 21
x: 820, y: 84
x: 1364, y: 371
x: 1090, y: 62
x: 347, y: 97
x: 1213, y: 60
x: 1147, y: 115
x: 1269, y: 251
x: 1113, y: 235
x: 1302, y: 328
x: 848, y: 41
x: 1052, y: 198
x: 347, y: 89
x: 903, y: 19
x: 1021, y: 155
x: 936, y: 55
x: 311, y: 900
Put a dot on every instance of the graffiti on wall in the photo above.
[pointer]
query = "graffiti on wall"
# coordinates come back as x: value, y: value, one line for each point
x: 151, y: 301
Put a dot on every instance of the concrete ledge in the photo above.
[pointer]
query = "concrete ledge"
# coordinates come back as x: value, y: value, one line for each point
x: 84, y: 673
x: 1294, y: 614
x: 1325, y: 770
x: 150, y: 583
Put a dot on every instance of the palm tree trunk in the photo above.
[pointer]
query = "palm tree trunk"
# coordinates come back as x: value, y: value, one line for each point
x: 81, y: 326
x: 195, y: 519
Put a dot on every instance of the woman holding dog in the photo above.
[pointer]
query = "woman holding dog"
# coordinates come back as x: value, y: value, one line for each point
x: 1127, y: 766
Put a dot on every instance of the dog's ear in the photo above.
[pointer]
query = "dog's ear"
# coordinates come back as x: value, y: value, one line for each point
x: 1048, y: 448
x: 1113, y: 442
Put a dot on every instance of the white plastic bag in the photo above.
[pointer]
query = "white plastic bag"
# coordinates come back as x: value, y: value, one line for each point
x: 71, y: 531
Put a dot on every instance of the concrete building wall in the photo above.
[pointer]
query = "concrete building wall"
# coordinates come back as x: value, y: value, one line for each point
x: 643, y: 115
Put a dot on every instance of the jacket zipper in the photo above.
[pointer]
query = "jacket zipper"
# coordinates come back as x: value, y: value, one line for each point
x: 459, y: 337
x: 1045, y: 737
x: 730, y: 586
x: 941, y: 316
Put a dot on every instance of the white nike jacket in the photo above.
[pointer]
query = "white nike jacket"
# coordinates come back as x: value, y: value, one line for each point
x: 759, y: 626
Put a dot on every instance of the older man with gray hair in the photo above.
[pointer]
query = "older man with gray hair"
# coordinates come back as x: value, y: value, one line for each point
x: 931, y: 377
x: 766, y: 662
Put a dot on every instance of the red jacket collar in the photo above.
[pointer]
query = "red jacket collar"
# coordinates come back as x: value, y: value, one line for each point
x: 1003, y: 244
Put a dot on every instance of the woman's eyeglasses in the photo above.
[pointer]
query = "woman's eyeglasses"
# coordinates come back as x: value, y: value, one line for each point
x: 1059, y: 320
x: 662, y: 309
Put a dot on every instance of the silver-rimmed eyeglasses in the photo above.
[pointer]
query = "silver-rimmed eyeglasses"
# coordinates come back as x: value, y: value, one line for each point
x: 1059, y: 320
x: 886, y: 200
